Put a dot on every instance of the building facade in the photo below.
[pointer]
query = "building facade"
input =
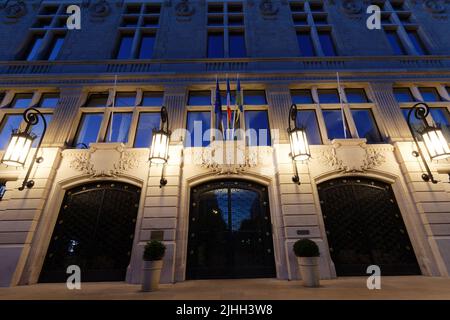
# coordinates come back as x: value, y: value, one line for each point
x: 96, y: 199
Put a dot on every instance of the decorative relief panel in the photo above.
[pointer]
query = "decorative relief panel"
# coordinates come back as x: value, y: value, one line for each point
x: 184, y: 10
x: 13, y: 10
x: 268, y: 9
x: 104, y: 160
x: 353, y: 155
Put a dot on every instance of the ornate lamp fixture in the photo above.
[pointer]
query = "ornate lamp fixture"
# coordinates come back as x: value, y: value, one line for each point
x: 435, y: 142
x: 298, y: 141
x: 159, y: 152
x: 20, y: 143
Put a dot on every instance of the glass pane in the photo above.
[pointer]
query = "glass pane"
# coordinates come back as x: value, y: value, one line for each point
x: 22, y: 100
x: 403, y: 95
x: 34, y: 48
x: 120, y: 124
x: 88, y: 130
x: 152, y: 98
x: 125, y: 99
x: 334, y: 124
x: 301, y: 96
x: 245, y: 210
x: 49, y: 100
x: 56, y: 48
x: 417, y: 42
x: 199, y: 98
x: 366, y: 126
x: 8, y: 124
x: 356, y: 95
x: 328, y: 96
x: 307, y: 119
x: 327, y: 43
x: 255, y: 97
x: 197, y: 124
x: 39, y: 128
x: 305, y: 44
x: 223, y: 95
x: 237, y: 45
x: 215, y: 45
x: 430, y: 94
x: 147, y: 122
x: 257, y: 128
x: 126, y: 43
x: 416, y: 124
x: 441, y: 117
x: 396, y: 44
x: 97, y: 100
x: 147, y: 44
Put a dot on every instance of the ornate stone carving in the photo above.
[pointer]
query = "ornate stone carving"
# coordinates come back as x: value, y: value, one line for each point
x: 351, y: 6
x: 268, y: 8
x: 352, y: 157
x: 99, y: 9
x: 434, y: 6
x: 14, y: 10
x: 184, y: 10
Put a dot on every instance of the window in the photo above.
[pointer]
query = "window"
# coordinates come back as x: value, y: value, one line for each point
x: 125, y: 99
x: 2, y: 96
x: 199, y: 98
x: 328, y: 96
x: 147, y: 44
x: 55, y: 47
x: 396, y: 44
x: 305, y: 44
x: 88, y: 130
x: 38, y: 129
x: 226, y: 21
x: 417, y: 42
x: 119, y: 127
x: 307, y: 119
x: 223, y: 95
x: 257, y: 128
x: 215, y: 45
x: 255, y: 97
x: 49, y: 100
x: 403, y: 95
x: 198, y: 124
x: 301, y: 97
x: 327, y: 43
x: 334, y: 124
x: 2, y: 189
x: 154, y: 98
x: 22, y: 100
x: 430, y: 94
x: 441, y: 117
x: 416, y: 124
x: 366, y: 126
x: 146, y: 123
x: 9, y: 123
x: 125, y: 46
x: 97, y: 100
x: 35, y: 45
x: 356, y: 96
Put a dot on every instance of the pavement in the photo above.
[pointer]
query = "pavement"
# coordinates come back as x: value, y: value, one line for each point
x: 351, y: 288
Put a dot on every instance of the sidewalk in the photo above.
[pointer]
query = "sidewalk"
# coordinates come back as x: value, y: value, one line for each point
x: 408, y: 287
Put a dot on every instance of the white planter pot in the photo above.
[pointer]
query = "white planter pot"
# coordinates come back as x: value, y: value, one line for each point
x: 309, y: 271
x: 151, y: 273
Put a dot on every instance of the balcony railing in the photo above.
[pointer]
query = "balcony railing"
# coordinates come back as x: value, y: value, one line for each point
x: 169, y: 66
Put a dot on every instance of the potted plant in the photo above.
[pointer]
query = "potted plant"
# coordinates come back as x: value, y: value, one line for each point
x: 151, y: 273
x: 307, y: 253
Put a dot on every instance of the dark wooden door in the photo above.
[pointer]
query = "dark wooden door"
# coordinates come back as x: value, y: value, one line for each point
x: 230, y: 232
x: 364, y: 227
x: 95, y: 231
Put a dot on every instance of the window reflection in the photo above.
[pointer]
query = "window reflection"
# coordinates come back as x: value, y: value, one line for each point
x: 307, y: 119
x: 441, y: 117
x: 197, y: 125
x: 119, y: 127
x: 88, y: 130
x: 334, y: 124
x: 257, y: 128
x: 147, y: 121
x: 366, y: 126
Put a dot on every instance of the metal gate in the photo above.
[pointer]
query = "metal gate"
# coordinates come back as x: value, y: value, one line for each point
x: 95, y: 231
x: 230, y: 232
x: 364, y: 227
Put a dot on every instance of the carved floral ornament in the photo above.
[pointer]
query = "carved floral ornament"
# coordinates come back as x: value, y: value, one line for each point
x: 184, y: 9
x: 435, y: 6
x: 268, y: 8
x: 352, y: 6
x: 13, y: 9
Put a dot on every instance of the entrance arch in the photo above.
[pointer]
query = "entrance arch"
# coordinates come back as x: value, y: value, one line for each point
x: 230, y: 231
x: 364, y: 227
x: 94, y: 230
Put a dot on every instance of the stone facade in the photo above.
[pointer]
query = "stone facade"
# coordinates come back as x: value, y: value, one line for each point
x: 27, y: 217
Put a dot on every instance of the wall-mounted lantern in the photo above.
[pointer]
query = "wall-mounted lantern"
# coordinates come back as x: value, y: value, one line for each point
x: 433, y: 139
x: 20, y: 144
x: 159, y: 152
x: 298, y: 141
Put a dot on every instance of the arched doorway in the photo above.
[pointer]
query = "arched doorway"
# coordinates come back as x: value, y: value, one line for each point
x: 95, y: 231
x: 230, y: 231
x: 364, y: 227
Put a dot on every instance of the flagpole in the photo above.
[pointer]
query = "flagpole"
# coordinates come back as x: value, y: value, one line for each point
x: 342, y: 105
x: 235, y: 106
x: 113, y: 105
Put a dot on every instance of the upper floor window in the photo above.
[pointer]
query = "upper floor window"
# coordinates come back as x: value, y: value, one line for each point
x: 356, y: 95
x: 198, y: 124
x: 97, y: 100
x: 255, y: 97
x: 49, y: 100
x: 2, y: 189
x: 22, y: 100
x: 199, y: 98
x: 403, y: 95
x: 328, y: 96
x: 307, y: 119
x: 257, y: 128
x: 301, y: 96
x: 429, y: 94
x: 125, y: 99
x: 152, y: 98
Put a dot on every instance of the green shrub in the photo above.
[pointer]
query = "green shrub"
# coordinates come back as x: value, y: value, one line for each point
x: 154, y: 250
x: 306, y: 248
